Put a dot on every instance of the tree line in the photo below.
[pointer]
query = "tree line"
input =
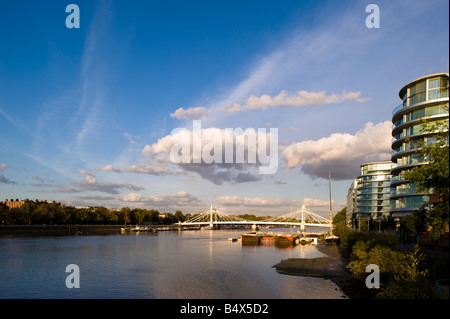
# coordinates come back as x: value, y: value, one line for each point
x: 43, y: 212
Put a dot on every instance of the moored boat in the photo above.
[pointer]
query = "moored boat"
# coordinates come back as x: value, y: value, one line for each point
x: 141, y: 228
x: 285, y: 238
x: 305, y: 240
x: 331, y: 239
x: 251, y: 238
x: 267, y: 240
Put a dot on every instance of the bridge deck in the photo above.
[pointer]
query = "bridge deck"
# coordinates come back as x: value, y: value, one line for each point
x: 255, y: 223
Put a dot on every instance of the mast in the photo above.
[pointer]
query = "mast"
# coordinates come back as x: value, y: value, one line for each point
x: 331, y: 219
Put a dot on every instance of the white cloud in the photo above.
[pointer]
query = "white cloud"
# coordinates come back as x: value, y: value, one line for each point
x: 193, y: 112
x: 342, y: 153
x: 90, y: 183
x: 222, y: 162
x: 109, y: 168
x: 252, y: 201
x: 132, y: 197
x: 155, y: 168
x: 89, y: 177
x: 273, y: 206
x: 300, y: 99
x: 283, y: 99
x: 129, y: 137
x: 179, y: 200
x: 263, y: 201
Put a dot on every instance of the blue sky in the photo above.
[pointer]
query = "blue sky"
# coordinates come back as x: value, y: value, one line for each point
x: 86, y: 114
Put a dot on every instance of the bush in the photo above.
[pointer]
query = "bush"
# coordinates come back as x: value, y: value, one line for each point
x: 402, y: 274
x: 349, y: 237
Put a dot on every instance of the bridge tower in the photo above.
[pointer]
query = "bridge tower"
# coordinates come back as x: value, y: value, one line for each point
x: 302, y: 225
x: 211, y: 222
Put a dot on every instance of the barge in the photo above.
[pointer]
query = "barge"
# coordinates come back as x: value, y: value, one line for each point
x: 251, y: 238
x: 285, y: 238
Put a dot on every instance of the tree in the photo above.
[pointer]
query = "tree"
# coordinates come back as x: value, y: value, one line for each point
x: 124, y: 215
x: 179, y: 216
x: 432, y: 178
x: 339, y: 221
x: 414, y: 223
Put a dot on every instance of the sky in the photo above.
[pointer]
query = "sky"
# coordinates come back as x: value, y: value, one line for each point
x: 91, y: 116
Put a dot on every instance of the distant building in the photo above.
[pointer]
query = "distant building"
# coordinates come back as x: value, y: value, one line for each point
x: 12, y: 204
x: 423, y: 98
x: 373, y: 191
x: 351, y: 201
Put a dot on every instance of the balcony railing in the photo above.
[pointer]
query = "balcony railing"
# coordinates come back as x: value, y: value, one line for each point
x: 420, y: 97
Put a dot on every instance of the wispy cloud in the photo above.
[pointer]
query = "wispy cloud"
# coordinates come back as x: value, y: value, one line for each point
x: 5, y: 180
x: 90, y: 183
x: 296, y: 64
x: 8, y: 117
x: 72, y: 118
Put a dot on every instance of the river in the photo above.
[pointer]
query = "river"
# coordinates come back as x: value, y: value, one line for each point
x: 200, y: 264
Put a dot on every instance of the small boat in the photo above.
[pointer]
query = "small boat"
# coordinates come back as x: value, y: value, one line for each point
x: 331, y: 239
x: 305, y: 240
x: 233, y: 239
x: 140, y: 228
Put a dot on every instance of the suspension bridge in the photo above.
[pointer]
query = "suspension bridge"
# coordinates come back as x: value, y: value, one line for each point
x: 302, y: 217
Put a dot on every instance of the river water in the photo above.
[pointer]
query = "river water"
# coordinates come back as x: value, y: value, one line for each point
x: 200, y: 264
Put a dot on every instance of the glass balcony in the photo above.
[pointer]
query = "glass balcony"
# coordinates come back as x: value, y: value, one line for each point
x: 421, y: 97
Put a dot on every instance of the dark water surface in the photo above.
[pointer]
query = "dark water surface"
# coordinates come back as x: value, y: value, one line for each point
x: 168, y: 265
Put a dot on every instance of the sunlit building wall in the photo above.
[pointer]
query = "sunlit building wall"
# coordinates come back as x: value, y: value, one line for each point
x: 373, y: 191
x: 351, y: 201
x: 424, y: 98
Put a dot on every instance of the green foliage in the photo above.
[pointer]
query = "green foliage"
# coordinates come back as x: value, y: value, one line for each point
x: 339, y: 220
x: 179, y: 216
x: 414, y: 223
x: 387, y: 259
x: 411, y: 278
x: 433, y: 177
x: 42, y: 212
x: 349, y: 238
x: 251, y: 217
x: 403, y: 274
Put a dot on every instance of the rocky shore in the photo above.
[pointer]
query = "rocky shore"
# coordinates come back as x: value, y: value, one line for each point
x: 332, y: 267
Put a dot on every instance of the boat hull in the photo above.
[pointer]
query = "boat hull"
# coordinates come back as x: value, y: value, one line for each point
x: 267, y: 240
x: 251, y: 238
x: 285, y: 239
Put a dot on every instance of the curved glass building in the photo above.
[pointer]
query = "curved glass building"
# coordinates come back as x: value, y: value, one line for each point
x: 423, y: 98
x: 373, y: 191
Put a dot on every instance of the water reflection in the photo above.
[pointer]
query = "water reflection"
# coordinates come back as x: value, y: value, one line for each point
x: 189, y: 264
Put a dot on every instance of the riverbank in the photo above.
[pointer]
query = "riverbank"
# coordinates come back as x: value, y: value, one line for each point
x: 332, y: 267
x: 58, y: 230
